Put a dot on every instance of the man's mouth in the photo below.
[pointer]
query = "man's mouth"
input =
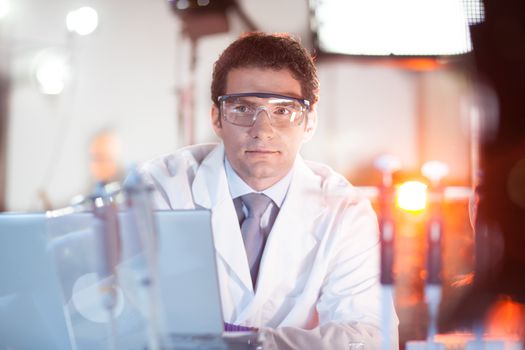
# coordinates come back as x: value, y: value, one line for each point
x: 261, y: 151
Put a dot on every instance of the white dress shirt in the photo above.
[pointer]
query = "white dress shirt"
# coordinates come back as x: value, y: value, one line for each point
x: 277, y: 193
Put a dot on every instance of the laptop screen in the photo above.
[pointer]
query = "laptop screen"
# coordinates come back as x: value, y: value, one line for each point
x: 31, y: 311
x: 50, y: 271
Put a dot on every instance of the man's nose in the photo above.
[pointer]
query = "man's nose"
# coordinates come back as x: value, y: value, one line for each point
x: 262, y: 127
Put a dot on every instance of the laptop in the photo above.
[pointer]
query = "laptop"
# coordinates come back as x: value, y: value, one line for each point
x: 31, y: 311
x: 50, y: 291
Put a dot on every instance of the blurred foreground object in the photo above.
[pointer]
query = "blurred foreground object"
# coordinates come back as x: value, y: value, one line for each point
x: 434, y: 171
x: 139, y: 204
x: 499, y: 52
x: 387, y: 164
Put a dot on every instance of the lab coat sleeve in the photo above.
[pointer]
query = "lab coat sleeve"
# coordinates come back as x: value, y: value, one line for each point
x: 349, y: 307
x: 326, y: 337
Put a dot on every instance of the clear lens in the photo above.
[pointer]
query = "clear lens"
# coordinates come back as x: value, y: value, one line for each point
x: 243, y: 110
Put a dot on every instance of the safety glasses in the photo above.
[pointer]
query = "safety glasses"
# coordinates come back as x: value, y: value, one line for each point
x: 242, y: 109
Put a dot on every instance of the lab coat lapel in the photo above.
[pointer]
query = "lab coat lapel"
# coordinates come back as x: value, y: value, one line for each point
x: 292, y: 236
x: 211, y: 191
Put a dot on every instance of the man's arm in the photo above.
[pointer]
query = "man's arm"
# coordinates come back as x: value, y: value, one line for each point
x: 329, y: 336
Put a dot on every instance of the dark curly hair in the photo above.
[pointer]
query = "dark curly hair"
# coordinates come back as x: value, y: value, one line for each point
x: 273, y: 51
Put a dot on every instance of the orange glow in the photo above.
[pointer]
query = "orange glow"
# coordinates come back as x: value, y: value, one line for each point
x: 412, y: 196
x: 506, y: 319
x: 422, y: 64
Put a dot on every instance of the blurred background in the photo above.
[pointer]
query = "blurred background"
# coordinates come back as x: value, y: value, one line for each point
x: 90, y: 87
x: 143, y: 75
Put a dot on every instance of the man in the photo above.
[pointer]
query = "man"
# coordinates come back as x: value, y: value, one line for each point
x: 297, y: 247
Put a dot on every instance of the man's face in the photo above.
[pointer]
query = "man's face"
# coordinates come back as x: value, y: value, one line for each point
x: 260, y: 154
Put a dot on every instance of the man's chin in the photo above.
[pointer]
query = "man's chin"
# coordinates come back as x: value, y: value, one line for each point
x: 259, y: 172
x: 263, y: 173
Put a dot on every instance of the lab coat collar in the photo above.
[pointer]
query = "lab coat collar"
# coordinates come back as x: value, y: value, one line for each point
x: 210, y: 186
x: 210, y: 191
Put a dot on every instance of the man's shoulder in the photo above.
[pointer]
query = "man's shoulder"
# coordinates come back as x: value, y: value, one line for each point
x: 172, y: 163
x: 331, y: 182
x: 343, y: 205
x: 335, y: 192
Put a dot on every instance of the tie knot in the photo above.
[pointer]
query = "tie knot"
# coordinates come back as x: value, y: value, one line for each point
x: 256, y: 203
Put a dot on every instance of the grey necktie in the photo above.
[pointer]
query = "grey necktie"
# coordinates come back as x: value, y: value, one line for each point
x: 254, y: 239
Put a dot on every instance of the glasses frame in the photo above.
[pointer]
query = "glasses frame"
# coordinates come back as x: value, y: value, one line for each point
x: 220, y: 99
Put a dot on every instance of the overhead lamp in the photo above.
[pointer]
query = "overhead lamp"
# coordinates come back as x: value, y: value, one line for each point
x: 51, y: 71
x: 82, y: 21
x: 205, y: 17
x: 394, y: 28
x: 200, y: 18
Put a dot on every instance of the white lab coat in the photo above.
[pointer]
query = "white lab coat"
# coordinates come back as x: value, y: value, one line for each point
x: 320, y: 263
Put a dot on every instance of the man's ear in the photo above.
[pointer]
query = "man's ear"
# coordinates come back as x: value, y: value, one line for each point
x: 216, y: 121
x: 311, y: 125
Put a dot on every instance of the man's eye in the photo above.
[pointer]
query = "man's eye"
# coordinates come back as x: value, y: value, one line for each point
x: 281, y: 111
x: 240, y: 109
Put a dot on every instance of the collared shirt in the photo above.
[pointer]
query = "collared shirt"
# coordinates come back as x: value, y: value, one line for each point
x: 277, y: 193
